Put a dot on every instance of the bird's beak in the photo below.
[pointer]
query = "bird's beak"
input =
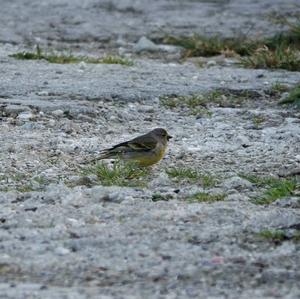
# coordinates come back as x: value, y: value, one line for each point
x: 169, y: 137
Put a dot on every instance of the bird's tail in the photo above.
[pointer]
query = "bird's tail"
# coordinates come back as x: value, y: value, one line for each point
x: 104, y: 154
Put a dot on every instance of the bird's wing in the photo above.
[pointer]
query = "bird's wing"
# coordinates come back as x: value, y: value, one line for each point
x: 141, y: 143
x: 144, y: 142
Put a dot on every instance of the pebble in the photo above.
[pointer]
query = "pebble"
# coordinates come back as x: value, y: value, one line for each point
x: 211, y: 63
x: 43, y: 93
x: 144, y: 44
x: 58, y: 113
x: 62, y: 251
x: 26, y: 116
x: 82, y: 65
x: 236, y: 183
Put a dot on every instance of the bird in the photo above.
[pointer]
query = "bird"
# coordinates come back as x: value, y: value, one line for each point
x: 145, y: 150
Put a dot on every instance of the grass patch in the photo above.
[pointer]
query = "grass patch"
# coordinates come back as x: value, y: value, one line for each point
x: 159, y: 197
x: 197, y: 104
x: 293, y: 98
x: 182, y: 173
x: 25, y: 188
x: 192, y: 176
x: 292, y: 35
x: 192, y: 104
x: 278, y: 236
x: 197, y: 45
x: 206, y: 197
x: 275, y: 188
x: 281, y: 57
x: 278, y: 88
x: 120, y: 173
x: 258, y: 120
x: 274, y: 236
x: 279, y: 51
x: 64, y: 58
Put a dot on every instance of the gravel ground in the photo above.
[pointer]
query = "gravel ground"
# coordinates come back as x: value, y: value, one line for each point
x: 64, y: 235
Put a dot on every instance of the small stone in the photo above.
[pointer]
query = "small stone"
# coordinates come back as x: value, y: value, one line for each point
x: 211, y: 63
x: 82, y: 65
x: 237, y: 183
x: 58, y: 113
x: 170, y: 49
x: 144, y: 44
x: 122, y: 51
x: 43, y: 93
x: 25, y: 116
x: 260, y: 75
x: 243, y: 141
x: 242, y: 80
x: 51, y: 123
x: 145, y: 109
x: 284, y: 95
x: 62, y: 251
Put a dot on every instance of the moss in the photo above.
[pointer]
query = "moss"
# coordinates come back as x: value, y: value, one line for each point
x: 62, y: 58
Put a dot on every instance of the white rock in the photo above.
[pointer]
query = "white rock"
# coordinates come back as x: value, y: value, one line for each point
x: 82, y: 65
x: 62, y: 251
x: 26, y: 116
x: 43, y: 93
x: 144, y: 44
x: 58, y: 113
x: 211, y: 63
x: 170, y: 49
x: 243, y: 141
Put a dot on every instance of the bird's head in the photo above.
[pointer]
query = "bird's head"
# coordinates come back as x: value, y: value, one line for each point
x: 162, y: 133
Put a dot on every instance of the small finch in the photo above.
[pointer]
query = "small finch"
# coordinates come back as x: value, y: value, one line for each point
x: 146, y: 149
